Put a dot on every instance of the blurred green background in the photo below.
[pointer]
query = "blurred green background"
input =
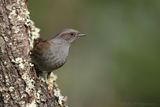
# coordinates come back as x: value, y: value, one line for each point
x: 118, y: 63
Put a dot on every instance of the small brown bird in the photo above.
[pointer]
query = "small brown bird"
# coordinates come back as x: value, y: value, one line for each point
x: 49, y: 55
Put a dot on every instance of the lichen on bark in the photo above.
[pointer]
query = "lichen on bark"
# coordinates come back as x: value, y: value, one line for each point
x: 19, y: 85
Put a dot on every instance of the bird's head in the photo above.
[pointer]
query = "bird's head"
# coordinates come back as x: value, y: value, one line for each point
x: 70, y: 35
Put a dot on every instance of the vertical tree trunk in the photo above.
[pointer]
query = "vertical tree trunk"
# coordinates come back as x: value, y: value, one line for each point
x: 19, y: 86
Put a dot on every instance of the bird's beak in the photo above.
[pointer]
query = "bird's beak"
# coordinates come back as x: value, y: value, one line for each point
x: 81, y: 35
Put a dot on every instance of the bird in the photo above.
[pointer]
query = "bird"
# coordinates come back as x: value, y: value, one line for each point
x: 49, y: 55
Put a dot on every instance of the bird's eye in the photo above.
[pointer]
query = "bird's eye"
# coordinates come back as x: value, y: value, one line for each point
x: 72, y: 34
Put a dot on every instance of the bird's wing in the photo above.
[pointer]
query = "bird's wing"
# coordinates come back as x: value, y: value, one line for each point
x: 40, y: 46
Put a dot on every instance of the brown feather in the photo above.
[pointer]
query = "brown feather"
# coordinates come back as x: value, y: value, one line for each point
x: 40, y: 46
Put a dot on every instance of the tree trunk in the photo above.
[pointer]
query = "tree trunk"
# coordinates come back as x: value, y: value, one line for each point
x: 19, y: 85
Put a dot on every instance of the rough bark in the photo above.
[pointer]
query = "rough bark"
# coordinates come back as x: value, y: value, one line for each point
x: 19, y: 85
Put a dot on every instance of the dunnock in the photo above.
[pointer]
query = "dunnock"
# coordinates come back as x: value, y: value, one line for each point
x: 49, y: 55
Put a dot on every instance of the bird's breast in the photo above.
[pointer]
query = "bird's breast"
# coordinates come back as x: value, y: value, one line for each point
x: 57, y: 56
x: 51, y: 58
